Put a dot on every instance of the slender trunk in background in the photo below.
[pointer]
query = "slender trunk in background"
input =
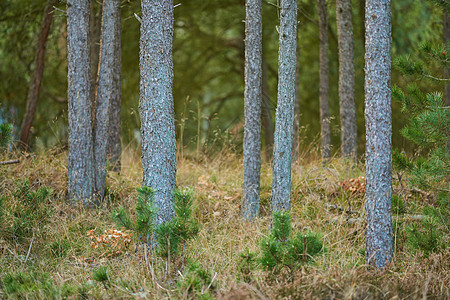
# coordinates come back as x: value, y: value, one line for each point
x: 266, y: 113
x: 95, y: 30
x: 378, y: 197
x: 346, y: 78
x: 105, y: 91
x: 282, y: 152
x: 156, y: 105
x: 81, y: 181
x: 252, y: 109
x: 39, y: 60
x: 296, y: 128
x: 325, y: 133
x: 446, y: 25
x: 114, y: 149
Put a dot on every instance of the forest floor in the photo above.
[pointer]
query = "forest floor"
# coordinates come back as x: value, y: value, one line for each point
x: 55, y: 250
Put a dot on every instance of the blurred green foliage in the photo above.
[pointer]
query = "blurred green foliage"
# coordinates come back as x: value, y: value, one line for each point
x: 208, y: 65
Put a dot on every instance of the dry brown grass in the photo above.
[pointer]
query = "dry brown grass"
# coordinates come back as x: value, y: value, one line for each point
x: 340, y: 272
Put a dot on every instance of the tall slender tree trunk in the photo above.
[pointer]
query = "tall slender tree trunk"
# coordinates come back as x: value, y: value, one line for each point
x: 296, y: 128
x: 266, y: 113
x: 114, y: 148
x: 446, y: 27
x: 105, y: 91
x: 346, y: 78
x: 95, y: 30
x: 282, y: 153
x: 252, y: 109
x: 325, y: 133
x: 156, y: 105
x: 81, y: 154
x: 39, y: 60
x: 378, y: 197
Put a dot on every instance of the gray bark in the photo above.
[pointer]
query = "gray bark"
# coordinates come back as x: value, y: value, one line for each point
x: 39, y: 60
x: 105, y: 91
x: 156, y: 105
x: 296, y: 128
x: 81, y: 153
x: 252, y: 109
x: 378, y: 197
x: 266, y: 113
x: 114, y: 147
x: 282, y: 153
x: 346, y: 78
x: 325, y: 132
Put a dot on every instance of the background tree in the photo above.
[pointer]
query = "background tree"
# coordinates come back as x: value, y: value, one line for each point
x: 282, y: 153
x: 346, y: 77
x: 296, y: 128
x: 156, y: 105
x: 39, y: 61
x: 81, y: 181
x: 107, y: 90
x: 325, y: 134
x: 253, y: 99
x: 378, y: 196
x: 114, y: 149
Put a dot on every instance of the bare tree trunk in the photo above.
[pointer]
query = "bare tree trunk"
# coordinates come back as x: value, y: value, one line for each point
x: 266, y: 113
x: 296, y: 128
x: 114, y: 148
x: 39, y: 60
x: 252, y: 109
x: 346, y: 78
x: 105, y: 91
x: 325, y: 132
x: 378, y: 197
x: 282, y: 153
x: 95, y: 28
x: 156, y: 105
x: 446, y: 25
x: 81, y: 181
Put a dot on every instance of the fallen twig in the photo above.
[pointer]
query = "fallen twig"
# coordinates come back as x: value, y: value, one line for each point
x: 10, y: 162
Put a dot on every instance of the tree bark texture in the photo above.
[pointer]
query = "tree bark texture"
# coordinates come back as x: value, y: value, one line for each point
x: 325, y: 132
x: 296, y: 128
x: 346, y: 78
x: 252, y: 109
x: 266, y: 113
x: 282, y: 153
x: 114, y: 149
x: 378, y: 197
x: 81, y: 181
x: 105, y: 91
x: 39, y: 61
x: 95, y: 31
x: 156, y: 105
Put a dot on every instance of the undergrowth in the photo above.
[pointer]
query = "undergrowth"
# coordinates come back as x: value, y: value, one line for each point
x: 73, y: 252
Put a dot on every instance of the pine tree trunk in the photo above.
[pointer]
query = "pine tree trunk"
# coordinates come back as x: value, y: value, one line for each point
x: 282, y: 153
x: 378, y: 197
x: 105, y: 91
x: 296, y: 128
x: 156, y: 105
x: 81, y: 154
x: 266, y: 113
x: 446, y: 25
x: 325, y: 132
x: 39, y: 60
x: 95, y: 30
x: 114, y: 148
x: 252, y: 109
x: 346, y: 78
